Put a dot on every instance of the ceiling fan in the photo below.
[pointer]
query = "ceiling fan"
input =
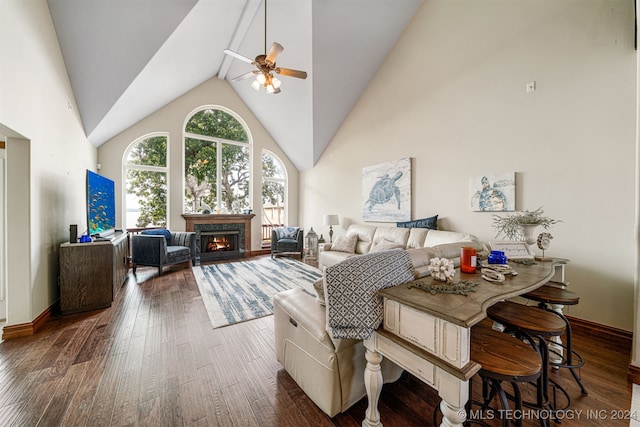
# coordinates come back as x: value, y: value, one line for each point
x: 266, y: 65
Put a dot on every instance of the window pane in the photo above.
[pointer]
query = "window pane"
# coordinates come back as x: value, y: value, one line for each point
x: 149, y: 152
x: 218, y: 124
x: 146, y: 199
x: 234, y: 187
x: 271, y: 167
x: 200, y: 175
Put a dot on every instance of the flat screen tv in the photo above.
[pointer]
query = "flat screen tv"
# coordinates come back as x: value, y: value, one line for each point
x: 101, y: 205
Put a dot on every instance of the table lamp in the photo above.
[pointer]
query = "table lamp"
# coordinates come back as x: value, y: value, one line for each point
x: 331, y: 220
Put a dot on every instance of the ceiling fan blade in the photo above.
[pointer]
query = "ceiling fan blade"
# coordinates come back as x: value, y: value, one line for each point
x: 245, y: 76
x: 276, y: 50
x: 238, y: 56
x: 291, y: 73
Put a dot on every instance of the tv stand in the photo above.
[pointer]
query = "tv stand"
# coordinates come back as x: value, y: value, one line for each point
x: 92, y: 273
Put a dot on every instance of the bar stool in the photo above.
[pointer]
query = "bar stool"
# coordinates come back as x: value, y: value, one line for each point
x: 547, y: 296
x: 502, y: 358
x: 536, y: 326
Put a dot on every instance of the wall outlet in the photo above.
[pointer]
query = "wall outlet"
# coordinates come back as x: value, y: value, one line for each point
x: 531, y: 86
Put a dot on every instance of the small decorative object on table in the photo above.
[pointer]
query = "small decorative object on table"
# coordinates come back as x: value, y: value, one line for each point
x: 442, y: 269
x: 544, y: 240
x: 520, y: 226
x: 463, y: 287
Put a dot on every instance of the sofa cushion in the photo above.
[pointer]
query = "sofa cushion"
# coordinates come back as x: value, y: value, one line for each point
x: 345, y: 244
x: 159, y: 232
x: 391, y: 234
x: 385, y: 245
x: 365, y: 236
x: 417, y: 237
x: 431, y: 222
x: 439, y: 237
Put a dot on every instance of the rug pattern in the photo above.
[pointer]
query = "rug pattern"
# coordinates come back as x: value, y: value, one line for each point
x: 239, y: 291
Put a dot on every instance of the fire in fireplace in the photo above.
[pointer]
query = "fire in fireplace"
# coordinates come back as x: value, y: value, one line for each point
x: 221, y: 244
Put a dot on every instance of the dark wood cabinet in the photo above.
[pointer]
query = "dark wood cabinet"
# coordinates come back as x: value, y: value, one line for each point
x: 92, y: 273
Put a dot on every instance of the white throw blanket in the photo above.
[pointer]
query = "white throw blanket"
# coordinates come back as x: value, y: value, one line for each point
x: 354, y: 310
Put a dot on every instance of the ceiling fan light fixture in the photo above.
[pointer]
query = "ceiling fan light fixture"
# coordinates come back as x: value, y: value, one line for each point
x: 261, y: 78
x: 256, y: 85
x: 276, y: 82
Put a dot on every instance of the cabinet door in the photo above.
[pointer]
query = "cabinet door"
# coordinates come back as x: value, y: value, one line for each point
x: 85, y: 277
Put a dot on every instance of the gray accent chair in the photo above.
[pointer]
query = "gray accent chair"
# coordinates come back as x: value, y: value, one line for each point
x: 287, y: 240
x: 162, y: 248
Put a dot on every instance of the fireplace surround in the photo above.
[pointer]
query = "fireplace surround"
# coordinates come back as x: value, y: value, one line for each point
x: 220, y: 236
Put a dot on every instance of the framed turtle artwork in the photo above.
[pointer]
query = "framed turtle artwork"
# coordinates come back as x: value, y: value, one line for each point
x: 386, y: 191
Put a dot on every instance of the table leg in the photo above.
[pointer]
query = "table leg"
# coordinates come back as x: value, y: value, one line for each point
x: 454, y: 393
x: 373, y: 385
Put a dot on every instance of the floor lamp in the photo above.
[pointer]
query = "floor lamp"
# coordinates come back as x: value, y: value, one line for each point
x: 331, y: 220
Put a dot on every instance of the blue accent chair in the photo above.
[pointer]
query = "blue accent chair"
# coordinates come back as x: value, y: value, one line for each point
x: 287, y: 240
x: 161, y: 247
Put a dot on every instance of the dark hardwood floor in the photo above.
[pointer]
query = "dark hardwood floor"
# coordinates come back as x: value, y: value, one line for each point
x: 153, y: 359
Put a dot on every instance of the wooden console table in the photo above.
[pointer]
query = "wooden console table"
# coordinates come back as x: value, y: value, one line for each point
x: 430, y: 335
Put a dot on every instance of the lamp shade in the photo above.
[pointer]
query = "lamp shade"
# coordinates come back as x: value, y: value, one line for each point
x: 331, y: 220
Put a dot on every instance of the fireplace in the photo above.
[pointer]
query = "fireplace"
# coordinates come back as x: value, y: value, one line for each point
x: 220, y: 236
x: 215, y: 245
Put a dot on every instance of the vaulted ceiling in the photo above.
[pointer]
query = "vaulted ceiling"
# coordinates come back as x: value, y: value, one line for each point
x: 128, y: 58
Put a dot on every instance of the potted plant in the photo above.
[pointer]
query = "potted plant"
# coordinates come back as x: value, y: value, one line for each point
x: 520, y: 225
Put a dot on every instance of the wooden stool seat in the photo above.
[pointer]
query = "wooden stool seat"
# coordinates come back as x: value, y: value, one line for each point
x: 536, y: 325
x: 502, y: 356
x: 529, y: 319
x: 549, y: 294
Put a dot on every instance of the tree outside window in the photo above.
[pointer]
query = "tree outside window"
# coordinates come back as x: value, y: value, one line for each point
x: 216, y: 163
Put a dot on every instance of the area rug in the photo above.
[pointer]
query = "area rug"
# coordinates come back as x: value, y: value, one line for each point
x: 239, y: 291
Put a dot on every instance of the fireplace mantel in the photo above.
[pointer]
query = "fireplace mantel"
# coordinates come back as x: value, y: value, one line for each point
x: 193, y: 219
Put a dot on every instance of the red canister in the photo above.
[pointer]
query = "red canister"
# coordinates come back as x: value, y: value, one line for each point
x: 468, y: 260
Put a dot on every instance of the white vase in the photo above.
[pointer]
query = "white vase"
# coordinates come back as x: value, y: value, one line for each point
x: 528, y: 234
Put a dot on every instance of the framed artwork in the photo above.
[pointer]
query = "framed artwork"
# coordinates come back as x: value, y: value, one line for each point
x: 386, y: 191
x: 493, y: 192
x: 513, y: 250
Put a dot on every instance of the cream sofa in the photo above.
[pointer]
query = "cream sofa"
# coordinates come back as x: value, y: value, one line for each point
x: 331, y: 371
x: 422, y: 244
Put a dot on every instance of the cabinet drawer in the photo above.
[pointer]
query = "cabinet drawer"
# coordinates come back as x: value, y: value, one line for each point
x: 419, y: 367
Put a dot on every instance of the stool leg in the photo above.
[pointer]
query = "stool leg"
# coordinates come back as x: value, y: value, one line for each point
x: 569, y: 357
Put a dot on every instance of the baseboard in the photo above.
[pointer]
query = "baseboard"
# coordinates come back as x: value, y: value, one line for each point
x: 634, y: 374
x: 30, y: 328
x: 609, y: 333
x: 600, y: 330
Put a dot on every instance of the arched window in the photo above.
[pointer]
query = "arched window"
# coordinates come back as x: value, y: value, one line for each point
x: 274, y: 191
x: 217, y: 162
x: 145, y: 178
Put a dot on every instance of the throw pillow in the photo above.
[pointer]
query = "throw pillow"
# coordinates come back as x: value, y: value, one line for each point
x: 318, y: 286
x: 385, y: 245
x: 288, y: 233
x: 345, y: 244
x: 159, y: 232
x: 431, y: 223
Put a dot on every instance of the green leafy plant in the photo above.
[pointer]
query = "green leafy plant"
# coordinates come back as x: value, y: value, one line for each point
x: 511, y: 226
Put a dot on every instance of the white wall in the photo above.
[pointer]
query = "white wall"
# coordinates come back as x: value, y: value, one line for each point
x: 451, y: 95
x: 171, y: 119
x: 37, y: 103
